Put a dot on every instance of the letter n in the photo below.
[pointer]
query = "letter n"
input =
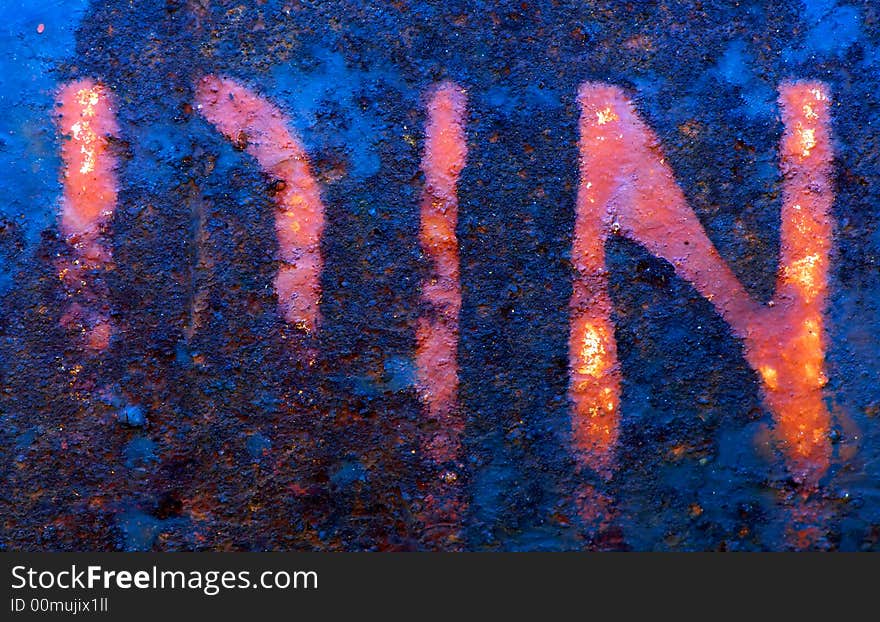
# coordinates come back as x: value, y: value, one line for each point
x: 626, y: 187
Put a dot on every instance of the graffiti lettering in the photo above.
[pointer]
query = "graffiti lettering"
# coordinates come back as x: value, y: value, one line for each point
x: 626, y: 187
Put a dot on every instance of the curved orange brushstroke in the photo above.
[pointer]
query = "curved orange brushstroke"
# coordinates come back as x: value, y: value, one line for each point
x: 259, y: 127
x: 627, y: 187
x: 89, y: 197
x: 444, y: 157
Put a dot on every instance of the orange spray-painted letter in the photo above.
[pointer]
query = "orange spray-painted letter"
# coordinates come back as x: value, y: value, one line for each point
x: 437, y: 333
x: 88, y: 201
x: 627, y: 188
x: 260, y: 128
x: 437, y: 329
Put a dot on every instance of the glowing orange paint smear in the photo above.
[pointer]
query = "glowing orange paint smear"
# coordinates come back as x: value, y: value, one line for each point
x: 627, y: 188
x: 88, y: 200
x: 437, y: 330
x: 259, y: 127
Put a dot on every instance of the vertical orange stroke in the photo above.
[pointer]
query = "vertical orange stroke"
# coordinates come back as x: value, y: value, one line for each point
x: 627, y: 187
x: 787, y: 346
x: 86, y: 122
x: 437, y: 332
x: 444, y: 156
x: 260, y: 128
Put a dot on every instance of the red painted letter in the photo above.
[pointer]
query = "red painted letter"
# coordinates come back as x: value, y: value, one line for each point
x: 261, y: 129
x: 437, y: 331
x: 89, y: 198
x: 626, y: 187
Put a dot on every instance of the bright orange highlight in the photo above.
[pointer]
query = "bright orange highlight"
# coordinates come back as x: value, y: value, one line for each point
x: 626, y: 187
x: 437, y: 329
x: 260, y: 128
x: 89, y: 197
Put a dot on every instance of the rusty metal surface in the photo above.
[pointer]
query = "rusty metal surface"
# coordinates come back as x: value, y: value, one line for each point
x: 205, y: 426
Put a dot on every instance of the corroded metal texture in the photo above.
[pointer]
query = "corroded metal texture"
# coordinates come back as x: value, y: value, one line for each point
x: 339, y: 275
